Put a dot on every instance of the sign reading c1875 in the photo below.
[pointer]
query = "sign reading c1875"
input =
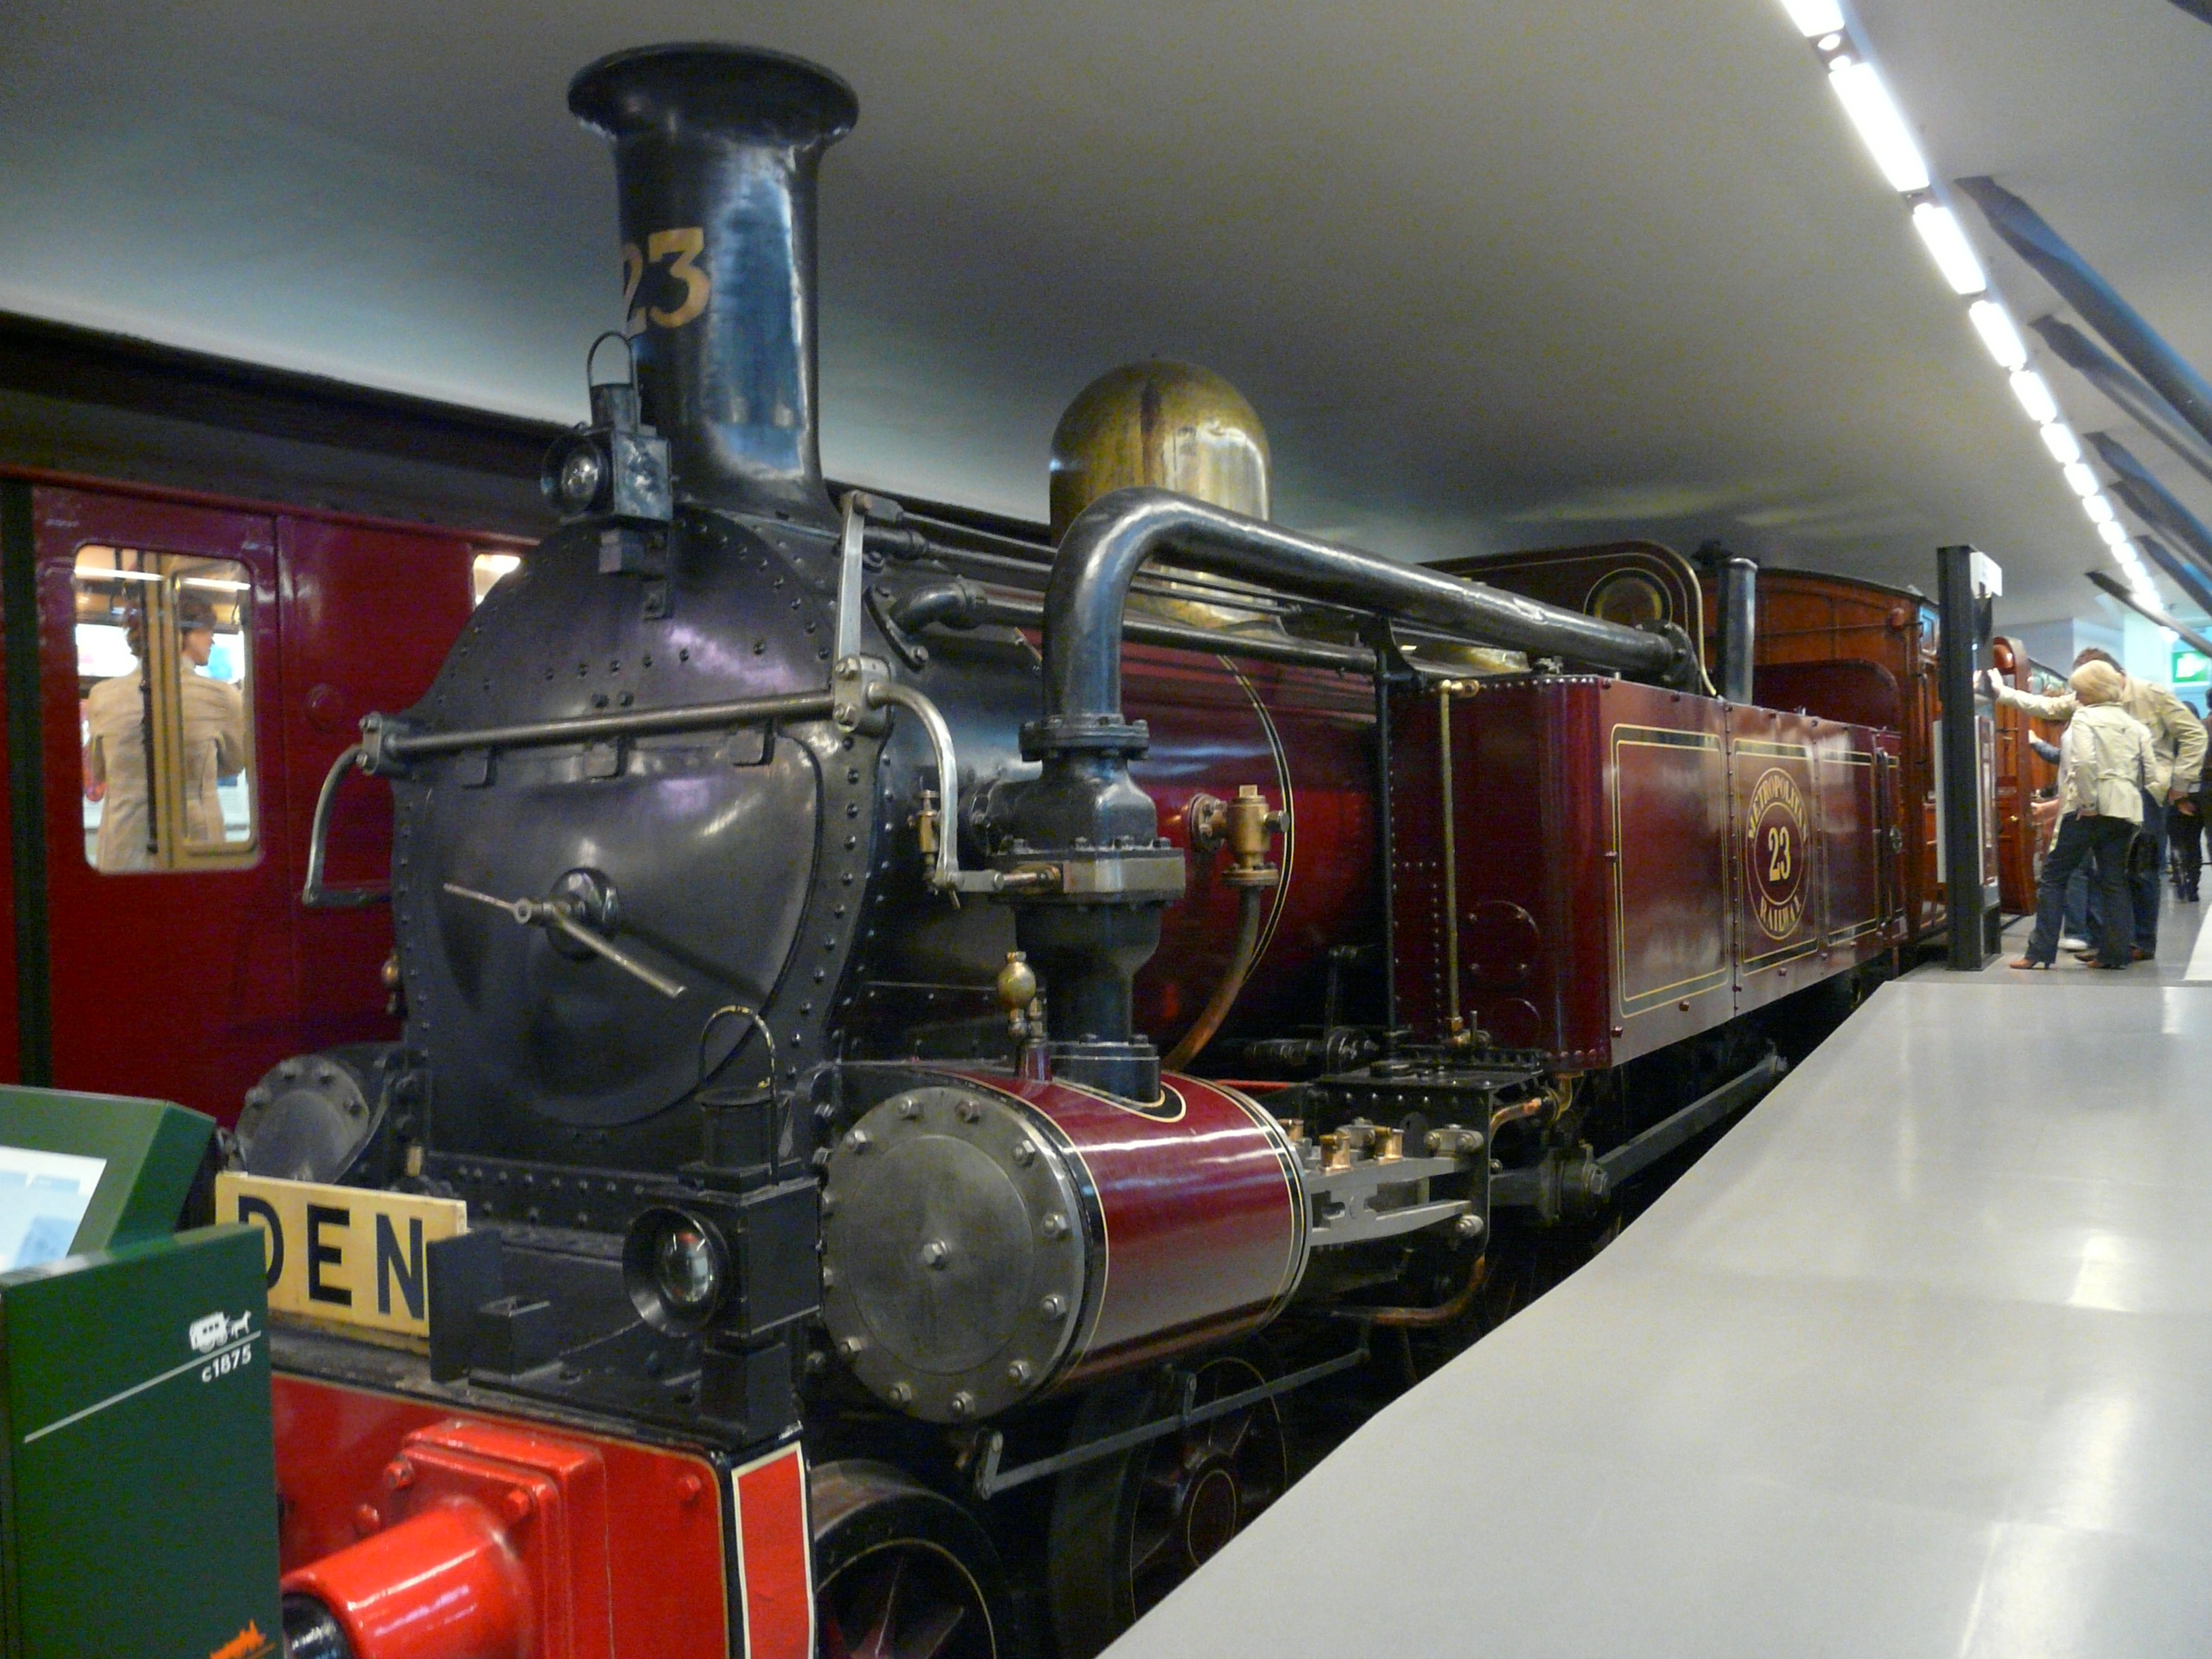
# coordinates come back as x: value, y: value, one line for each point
x: 1774, y: 853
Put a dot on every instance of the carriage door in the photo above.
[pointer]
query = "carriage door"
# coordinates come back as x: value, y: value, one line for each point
x: 1889, y: 837
x: 169, y: 936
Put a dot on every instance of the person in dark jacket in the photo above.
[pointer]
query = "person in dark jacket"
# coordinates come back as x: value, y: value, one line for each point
x: 2184, y: 839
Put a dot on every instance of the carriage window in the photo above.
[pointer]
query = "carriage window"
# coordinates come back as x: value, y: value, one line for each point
x: 163, y: 644
x: 484, y: 574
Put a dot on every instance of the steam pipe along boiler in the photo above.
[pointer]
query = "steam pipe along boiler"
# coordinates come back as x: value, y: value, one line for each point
x: 794, y: 898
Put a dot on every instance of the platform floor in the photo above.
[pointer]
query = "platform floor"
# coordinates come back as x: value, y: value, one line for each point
x: 2184, y: 957
x: 1917, y: 1361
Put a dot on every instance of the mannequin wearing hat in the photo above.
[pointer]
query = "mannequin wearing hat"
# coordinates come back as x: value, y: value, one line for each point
x: 115, y: 749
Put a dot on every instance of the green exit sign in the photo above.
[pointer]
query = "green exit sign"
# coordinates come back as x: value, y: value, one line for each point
x: 2191, y: 667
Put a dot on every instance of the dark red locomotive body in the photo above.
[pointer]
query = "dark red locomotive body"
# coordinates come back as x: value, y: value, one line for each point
x: 1623, y: 866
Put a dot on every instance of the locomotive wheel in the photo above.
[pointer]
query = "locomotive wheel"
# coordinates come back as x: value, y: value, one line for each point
x: 1128, y: 1529
x: 900, y: 1572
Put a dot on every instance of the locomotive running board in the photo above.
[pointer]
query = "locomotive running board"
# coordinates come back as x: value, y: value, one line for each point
x: 990, y: 1481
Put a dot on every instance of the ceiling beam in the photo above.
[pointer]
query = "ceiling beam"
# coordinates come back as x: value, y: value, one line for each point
x: 2187, y: 575
x: 2100, y: 304
x: 2119, y: 590
x: 2152, y: 501
x: 2087, y: 359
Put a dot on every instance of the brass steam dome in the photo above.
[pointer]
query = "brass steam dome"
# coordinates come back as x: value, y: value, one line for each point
x: 1175, y: 425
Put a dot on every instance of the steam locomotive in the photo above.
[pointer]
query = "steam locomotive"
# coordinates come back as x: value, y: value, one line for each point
x: 955, y: 1050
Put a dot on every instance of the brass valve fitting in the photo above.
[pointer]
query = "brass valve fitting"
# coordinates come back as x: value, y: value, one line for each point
x: 1244, y: 826
x: 1017, y: 994
x: 927, y: 824
x: 1252, y: 825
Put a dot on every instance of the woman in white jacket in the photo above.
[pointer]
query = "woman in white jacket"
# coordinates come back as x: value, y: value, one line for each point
x: 2105, y: 764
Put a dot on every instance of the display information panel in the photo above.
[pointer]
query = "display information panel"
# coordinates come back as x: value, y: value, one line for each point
x: 43, y: 1199
x: 81, y: 1172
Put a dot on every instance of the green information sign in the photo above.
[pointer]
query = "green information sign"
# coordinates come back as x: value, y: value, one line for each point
x: 2191, y: 667
x: 137, y: 1468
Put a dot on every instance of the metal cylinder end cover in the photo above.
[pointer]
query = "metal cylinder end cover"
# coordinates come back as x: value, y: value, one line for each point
x: 308, y: 1118
x: 955, y: 1253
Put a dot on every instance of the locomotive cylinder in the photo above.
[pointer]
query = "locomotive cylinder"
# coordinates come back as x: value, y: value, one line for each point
x: 988, y: 1239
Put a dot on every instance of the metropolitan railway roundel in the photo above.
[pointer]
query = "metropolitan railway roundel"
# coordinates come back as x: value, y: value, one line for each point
x: 1774, y: 853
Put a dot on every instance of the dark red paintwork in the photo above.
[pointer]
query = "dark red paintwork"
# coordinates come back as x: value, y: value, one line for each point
x: 1775, y: 802
x: 1304, y: 736
x: 1628, y: 873
x: 11, y: 1030
x: 1205, y: 1229
x: 663, y: 1510
x: 188, y: 986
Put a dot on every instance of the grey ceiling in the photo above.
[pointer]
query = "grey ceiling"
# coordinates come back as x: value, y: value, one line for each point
x: 1495, y: 274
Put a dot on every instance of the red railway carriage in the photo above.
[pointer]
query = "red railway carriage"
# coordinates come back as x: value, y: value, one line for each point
x: 2021, y: 775
x: 178, y: 960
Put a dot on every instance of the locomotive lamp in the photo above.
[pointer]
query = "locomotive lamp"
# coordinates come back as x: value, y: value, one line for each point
x: 675, y: 1266
x: 614, y: 473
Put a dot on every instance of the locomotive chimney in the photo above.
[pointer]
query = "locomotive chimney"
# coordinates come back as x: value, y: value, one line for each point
x: 716, y: 150
x: 1738, y: 610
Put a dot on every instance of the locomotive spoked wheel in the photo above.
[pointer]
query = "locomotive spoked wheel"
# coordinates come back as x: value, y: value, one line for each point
x: 900, y: 1572
x: 1128, y: 1529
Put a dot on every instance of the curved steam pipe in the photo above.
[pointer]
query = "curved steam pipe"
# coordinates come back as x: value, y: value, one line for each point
x: 1113, y: 538
x: 1251, y: 907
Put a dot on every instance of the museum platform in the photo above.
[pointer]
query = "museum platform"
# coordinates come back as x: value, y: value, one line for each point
x: 1917, y: 1360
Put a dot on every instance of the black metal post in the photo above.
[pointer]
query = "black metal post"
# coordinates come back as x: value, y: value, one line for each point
x: 1960, y: 653
x: 1737, y: 608
x: 27, y: 785
x: 1389, y: 669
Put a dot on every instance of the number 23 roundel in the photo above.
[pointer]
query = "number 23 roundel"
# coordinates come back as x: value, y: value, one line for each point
x: 1774, y: 853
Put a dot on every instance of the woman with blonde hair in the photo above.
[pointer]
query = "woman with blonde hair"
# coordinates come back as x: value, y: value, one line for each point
x: 2104, y: 766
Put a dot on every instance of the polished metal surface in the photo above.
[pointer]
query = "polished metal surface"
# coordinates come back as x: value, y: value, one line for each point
x: 716, y: 150
x: 1916, y: 1361
x: 1177, y: 425
x: 953, y: 1253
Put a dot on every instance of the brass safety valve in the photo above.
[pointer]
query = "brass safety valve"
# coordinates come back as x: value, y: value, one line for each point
x: 1251, y: 827
x: 1245, y: 826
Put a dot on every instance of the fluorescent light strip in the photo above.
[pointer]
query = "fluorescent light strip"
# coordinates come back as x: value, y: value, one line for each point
x: 2034, y: 394
x: 1814, y: 18
x: 1998, y: 334
x: 1954, y: 254
x: 1880, y: 124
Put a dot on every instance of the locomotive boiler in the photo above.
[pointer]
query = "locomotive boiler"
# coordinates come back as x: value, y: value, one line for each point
x: 814, y: 917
